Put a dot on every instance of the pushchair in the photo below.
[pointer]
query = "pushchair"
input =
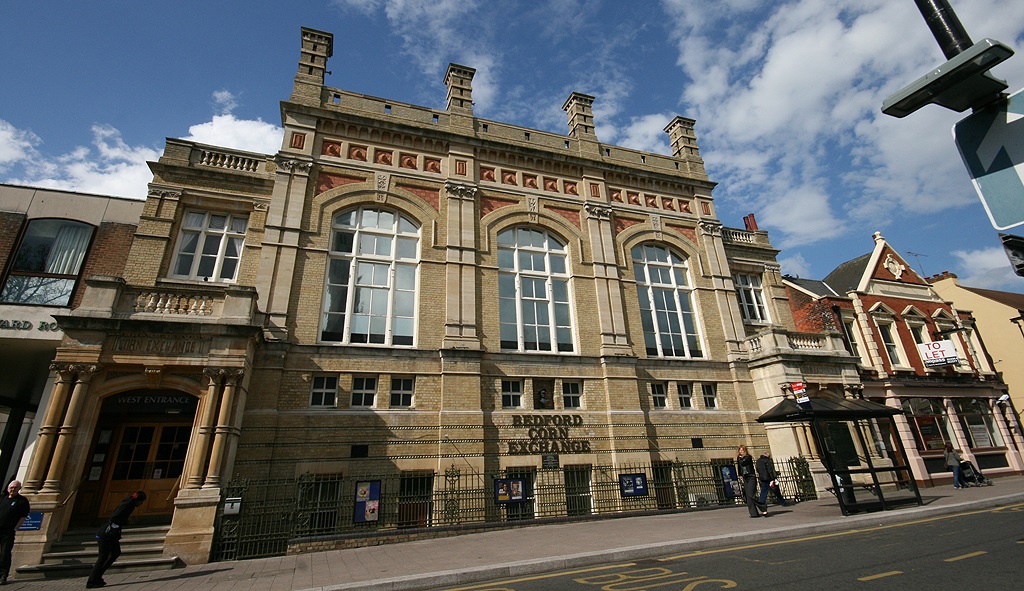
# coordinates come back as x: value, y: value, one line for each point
x: 971, y: 476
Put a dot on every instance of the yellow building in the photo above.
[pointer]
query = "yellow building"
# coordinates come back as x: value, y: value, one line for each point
x: 403, y: 299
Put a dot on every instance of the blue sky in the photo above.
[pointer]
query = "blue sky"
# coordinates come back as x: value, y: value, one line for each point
x: 786, y: 95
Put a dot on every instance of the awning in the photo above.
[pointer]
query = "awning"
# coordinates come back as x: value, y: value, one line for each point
x: 829, y: 409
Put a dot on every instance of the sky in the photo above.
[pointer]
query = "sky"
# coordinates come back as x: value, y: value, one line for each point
x: 786, y: 94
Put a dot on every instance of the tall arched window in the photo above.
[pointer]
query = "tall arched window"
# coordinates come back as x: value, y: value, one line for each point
x: 666, y: 302
x: 371, y: 278
x: 533, y: 292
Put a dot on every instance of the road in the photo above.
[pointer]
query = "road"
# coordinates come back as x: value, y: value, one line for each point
x: 974, y: 550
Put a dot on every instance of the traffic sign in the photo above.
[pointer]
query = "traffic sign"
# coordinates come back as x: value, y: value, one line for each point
x: 991, y: 143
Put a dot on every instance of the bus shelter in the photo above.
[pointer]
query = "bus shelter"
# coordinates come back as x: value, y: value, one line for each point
x: 857, y: 442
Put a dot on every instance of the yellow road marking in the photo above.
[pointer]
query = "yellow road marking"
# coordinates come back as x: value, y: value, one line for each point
x: 963, y: 556
x: 881, y: 575
x: 833, y: 535
x: 542, y: 576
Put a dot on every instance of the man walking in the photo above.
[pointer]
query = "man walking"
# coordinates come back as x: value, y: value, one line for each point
x: 109, y: 538
x: 14, y: 508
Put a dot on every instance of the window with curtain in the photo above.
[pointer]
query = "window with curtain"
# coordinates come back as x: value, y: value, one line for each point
x: 48, y: 263
x: 666, y: 302
x: 210, y: 246
x: 928, y: 421
x: 533, y: 292
x: 372, y: 270
x: 978, y: 423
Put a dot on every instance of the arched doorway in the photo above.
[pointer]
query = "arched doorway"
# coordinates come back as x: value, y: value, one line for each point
x: 140, y: 443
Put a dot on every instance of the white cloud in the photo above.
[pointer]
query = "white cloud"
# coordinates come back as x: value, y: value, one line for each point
x: 16, y: 145
x: 225, y: 101
x: 241, y: 134
x: 988, y: 268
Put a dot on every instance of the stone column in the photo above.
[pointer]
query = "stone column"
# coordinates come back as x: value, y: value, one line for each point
x: 49, y: 429
x: 222, y: 431
x: 611, y: 314
x: 200, y: 444
x: 66, y: 436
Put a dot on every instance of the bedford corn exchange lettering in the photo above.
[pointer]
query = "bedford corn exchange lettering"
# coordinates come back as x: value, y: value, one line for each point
x: 166, y: 346
x: 548, y: 434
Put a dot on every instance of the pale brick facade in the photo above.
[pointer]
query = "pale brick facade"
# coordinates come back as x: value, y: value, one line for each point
x: 515, y: 281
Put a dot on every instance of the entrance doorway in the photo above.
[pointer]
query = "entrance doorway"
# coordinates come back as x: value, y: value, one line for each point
x: 140, y: 443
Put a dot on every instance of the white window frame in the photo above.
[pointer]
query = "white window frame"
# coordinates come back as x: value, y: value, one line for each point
x: 324, y: 391
x: 851, y: 329
x: 572, y: 394
x: 403, y: 387
x: 534, y: 292
x: 364, y: 395
x: 372, y: 279
x: 211, y: 242
x: 684, y: 391
x: 709, y: 394
x: 659, y: 396
x: 890, y: 338
x: 511, y: 394
x: 750, y: 294
x: 662, y: 284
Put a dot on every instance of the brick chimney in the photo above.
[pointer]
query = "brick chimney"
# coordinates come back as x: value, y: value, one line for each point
x: 682, y: 138
x: 317, y: 46
x: 459, y: 80
x: 581, y: 116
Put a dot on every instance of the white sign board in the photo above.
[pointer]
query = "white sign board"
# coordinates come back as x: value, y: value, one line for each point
x: 991, y: 143
x: 938, y: 353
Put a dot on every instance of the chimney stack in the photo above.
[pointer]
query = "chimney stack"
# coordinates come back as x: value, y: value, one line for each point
x: 317, y: 46
x: 459, y: 80
x: 581, y: 116
x: 681, y: 136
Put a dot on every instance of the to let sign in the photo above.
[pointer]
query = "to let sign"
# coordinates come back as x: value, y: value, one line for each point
x: 938, y: 353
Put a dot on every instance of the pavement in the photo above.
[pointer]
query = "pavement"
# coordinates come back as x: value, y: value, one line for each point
x: 476, y: 557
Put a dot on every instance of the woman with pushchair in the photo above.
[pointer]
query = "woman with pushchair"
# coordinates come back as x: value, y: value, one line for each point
x: 953, y: 459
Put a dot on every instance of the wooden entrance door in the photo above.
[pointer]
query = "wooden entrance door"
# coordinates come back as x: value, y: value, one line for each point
x: 148, y: 457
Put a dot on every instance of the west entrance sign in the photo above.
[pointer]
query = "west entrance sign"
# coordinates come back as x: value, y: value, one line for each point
x: 991, y: 143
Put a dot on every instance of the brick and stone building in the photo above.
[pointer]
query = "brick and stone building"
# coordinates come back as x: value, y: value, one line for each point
x: 916, y: 352
x: 400, y: 290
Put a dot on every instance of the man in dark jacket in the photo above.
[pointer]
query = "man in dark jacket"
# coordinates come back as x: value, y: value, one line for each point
x: 109, y: 538
x: 14, y: 508
x: 769, y: 479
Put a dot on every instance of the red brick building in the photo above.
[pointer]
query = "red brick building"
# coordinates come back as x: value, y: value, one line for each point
x: 918, y: 353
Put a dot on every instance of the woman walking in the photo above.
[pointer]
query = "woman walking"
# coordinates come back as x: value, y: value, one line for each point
x: 745, y: 467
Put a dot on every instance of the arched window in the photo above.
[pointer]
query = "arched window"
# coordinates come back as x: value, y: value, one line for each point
x: 533, y: 292
x: 371, y: 278
x: 666, y: 302
x: 48, y: 263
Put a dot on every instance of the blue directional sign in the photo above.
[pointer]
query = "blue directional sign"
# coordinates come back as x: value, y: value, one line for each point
x: 991, y: 143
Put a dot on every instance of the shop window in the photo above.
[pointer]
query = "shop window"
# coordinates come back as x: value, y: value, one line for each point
x: 209, y: 246
x: 666, y: 302
x: 370, y: 296
x: 978, y: 422
x: 750, y: 293
x: 928, y: 421
x: 324, y: 391
x: 48, y: 263
x: 533, y: 292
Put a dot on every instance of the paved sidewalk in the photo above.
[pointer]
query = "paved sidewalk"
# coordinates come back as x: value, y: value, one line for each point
x: 480, y: 556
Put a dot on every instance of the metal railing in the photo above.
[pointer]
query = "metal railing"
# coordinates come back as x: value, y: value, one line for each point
x: 272, y: 512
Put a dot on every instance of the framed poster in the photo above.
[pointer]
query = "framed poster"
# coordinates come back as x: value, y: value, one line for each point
x: 509, y: 490
x: 367, y: 508
x: 633, y: 485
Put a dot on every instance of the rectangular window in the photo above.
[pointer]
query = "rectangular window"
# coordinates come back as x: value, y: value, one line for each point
x: 685, y: 392
x: 401, y: 392
x: 324, y: 391
x: 751, y: 297
x: 47, y: 264
x: 364, y: 390
x: 658, y: 396
x: 511, y: 394
x: 850, y: 330
x: 710, y: 395
x: 571, y: 397
x: 209, y: 246
x: 885, y: 331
